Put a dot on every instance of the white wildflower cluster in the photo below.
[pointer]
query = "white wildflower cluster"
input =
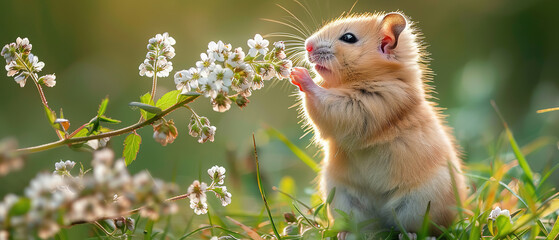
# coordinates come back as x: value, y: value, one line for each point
x: 197, y: 191
x: 63, y: 168
x: 200, y: 127
x: 22, y: 64
x: 9, y: 159
x: 228, y: 75
x: 498, y: 212
x: 52, y: 201
x: 160, y: 52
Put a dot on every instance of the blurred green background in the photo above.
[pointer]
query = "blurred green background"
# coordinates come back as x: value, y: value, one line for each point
x: 481, y: 50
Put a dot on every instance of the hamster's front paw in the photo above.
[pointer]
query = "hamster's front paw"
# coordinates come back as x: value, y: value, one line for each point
x: 301, y: 78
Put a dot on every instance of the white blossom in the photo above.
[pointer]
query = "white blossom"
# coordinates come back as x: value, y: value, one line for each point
x: 223, y: 195
x: 185, y: 80
x: 206, y: 64
x: 35, y: 64
x: 49, y: 80
x: 218, y: 50
x: 197, y: 191
x: 257, y: 45
x: 160, y: 52
x: 236, y: 58
x: 217, y: 174
x: 498, y: 212
x: 208, y: 133
x: 199, y: 207
x: 63, y: 168
x: 285, y: 69
x: 221, y: 77
x: 267, y: 72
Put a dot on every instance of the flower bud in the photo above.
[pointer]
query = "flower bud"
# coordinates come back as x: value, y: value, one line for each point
x: 130, y: 224
x: 208, y: 133
x: 241, y: 101
x: 193, y: 127
x: 165, y: 132
x: 290, y: 217
x: 48, y: 80
x: 221, y: 102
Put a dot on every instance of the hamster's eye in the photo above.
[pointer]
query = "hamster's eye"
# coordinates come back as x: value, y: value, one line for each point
x: 349, y: 38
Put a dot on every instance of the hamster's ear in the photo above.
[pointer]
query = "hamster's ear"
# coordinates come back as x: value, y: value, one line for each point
x: 391, y: 26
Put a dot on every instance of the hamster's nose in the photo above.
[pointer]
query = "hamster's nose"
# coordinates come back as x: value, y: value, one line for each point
x: 309, y: 46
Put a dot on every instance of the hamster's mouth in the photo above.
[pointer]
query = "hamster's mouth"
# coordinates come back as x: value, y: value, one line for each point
x: 321, y: 69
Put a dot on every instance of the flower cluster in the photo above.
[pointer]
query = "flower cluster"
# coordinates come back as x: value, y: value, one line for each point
x: 9, y: 159
x: 63, y: 168
x: 108, y: 192
x: 228, y: 75
x: 160, y: 52
x: 22, y: 64
x: 200, y: 127
x: 197, y: 191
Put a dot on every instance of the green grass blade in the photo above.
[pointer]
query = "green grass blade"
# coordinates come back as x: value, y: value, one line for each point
x: 303, y: 215
x: 554, y: 234
x: 542, y: 227
x: 502, y: 184
x: 148, y: 230
x: 400, y: 226
x: 520, y: 157
x: 296, y: 150
x: 262, y: 191
x: 547, y: 175
x: 423, y: 233
x: 516, y: 149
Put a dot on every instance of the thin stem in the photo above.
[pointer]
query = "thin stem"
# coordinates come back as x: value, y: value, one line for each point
x: 194, y: 114
x: 77, y: 130
x: 154, y: 83
x: 39, y: 88
x: 121, y: 131
x: 102, y: 228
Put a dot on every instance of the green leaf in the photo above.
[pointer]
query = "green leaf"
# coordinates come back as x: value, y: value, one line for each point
x: 148, y: 111
x: 475, y: 231
x: 131, y: 147
x: 504, y: 225
x: 311, y: 234
x: 554, y: 234
x: 103, y: 107
x: 330, y: 197
x: 82, y: 133
x: 168, y: 100
x: 62, y: 235
x: 50, y: 115
x: 297, y: 151
x: 189, y: 97
x: 21, y: 207
x: 146, y: 99
x: 108, y: 119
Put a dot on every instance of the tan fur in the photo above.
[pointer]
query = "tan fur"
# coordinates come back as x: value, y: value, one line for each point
x: 386, y: 148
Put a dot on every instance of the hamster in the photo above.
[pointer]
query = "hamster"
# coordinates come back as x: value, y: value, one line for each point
x: 387, y: 151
